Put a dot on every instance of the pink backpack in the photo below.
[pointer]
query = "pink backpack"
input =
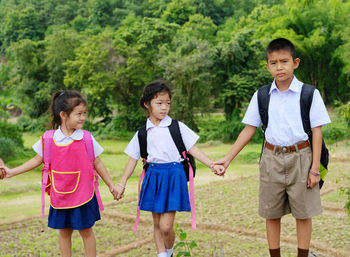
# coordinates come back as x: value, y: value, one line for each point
x: 46, y: 180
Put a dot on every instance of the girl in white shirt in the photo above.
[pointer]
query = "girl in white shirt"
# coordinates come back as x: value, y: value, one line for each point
x: 164, y: 188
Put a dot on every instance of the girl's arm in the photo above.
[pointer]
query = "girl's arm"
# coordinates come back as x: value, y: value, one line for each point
x: 200, y: 156
x: 128, y: 170
x: 242, y: 140
x: 27, y: 166
x: 103, y: 172
x: 316, y: 156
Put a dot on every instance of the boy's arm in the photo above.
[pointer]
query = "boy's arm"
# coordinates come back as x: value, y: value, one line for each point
x: 103, y: 173
x: 27, y: 166
x: 200, y: 156
x: 128, y: 170
x: 244, y: 137
x: 316, y: 156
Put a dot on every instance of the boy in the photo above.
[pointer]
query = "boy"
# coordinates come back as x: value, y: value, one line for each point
x: 289, y: 169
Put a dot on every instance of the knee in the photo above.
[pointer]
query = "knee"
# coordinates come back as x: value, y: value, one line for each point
x: 85, y: 233
x: 65, y: 233
x: 166, y: 229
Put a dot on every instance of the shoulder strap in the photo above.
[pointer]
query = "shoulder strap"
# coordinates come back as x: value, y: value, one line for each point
x: 89, y: 144
x: 306, y: 96
x: 142, y: 136
x: 263, y: 104
x: 46, y: 145
x: 176, y: 135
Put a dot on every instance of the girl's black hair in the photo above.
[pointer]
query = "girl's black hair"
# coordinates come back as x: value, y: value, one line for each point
x: 281, y: 44
x: 64, y: 101
x: 153, y: 89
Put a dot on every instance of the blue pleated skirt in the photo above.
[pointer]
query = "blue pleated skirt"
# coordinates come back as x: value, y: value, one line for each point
x: 78, y: 218
x: 164, y: 188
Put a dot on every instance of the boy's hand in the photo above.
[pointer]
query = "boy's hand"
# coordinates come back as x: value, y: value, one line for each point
x: 313, y: 179
x: 120, y: 188
x: 218, y: 169
x: 223, y: 161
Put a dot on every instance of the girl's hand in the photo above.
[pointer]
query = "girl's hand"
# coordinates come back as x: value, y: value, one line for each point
x: 2, y: 170
x: 218, y: 169
x: 120, y: 191
x: 113, y: 190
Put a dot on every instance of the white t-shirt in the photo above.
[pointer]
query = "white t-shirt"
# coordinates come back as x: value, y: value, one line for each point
x: 285, y: 125
x: 160, y: 145
x: 62, y: 140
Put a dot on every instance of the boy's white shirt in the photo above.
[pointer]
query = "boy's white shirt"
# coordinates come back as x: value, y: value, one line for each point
x: 285, y: 125
x: 62, y: 140
x: 160, y: 145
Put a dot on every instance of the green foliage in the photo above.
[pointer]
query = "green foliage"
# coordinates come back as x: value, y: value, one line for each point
x: 346, y: 192
x: 7, y: 148
x: 179, y: 11
x: 185, y: 246
x: 28, y: 124
x: 11, y: 131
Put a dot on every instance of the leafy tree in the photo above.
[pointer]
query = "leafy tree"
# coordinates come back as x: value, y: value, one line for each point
x: 179, y: 11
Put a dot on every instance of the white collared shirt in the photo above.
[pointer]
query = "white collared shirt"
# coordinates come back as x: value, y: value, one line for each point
x: 285, y: 125
x: 62, y: 140
x: 160, y: 145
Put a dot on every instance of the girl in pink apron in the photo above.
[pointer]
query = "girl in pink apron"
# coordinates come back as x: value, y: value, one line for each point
x: 164, y: 188
x: 69, y: 176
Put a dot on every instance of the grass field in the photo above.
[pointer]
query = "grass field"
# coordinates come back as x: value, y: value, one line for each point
x: 226, y: 211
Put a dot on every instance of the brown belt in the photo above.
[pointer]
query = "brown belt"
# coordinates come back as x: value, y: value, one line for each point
x: 287, y: 149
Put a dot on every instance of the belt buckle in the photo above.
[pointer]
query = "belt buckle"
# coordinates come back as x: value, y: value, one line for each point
x: 284, y: 149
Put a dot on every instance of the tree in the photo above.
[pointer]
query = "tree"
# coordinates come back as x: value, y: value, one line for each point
x: 179, y: 11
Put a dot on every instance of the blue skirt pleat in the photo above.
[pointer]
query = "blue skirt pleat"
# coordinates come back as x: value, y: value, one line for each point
x: 164, y: 188
x: 78, y: 218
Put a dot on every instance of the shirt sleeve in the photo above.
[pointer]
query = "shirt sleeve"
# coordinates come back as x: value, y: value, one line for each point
x: 252, y: 116
x: 133, y: 148
x: 189, y: 137
x: 318, y: 112
x: 38, y: 148
x: 98, y: 149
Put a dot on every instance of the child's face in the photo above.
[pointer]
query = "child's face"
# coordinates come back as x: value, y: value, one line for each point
x: 159, y: 107
x: 281, y: 66
x: 76, y: 118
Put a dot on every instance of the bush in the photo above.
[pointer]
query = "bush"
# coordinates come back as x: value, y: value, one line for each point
x: 12, y: 132
x: 7, y: 148
x: 28, y: 124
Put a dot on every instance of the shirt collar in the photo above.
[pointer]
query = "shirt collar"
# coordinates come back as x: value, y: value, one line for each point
x: 295, y: 86
x: 163, y: 123
x: 77, y: 135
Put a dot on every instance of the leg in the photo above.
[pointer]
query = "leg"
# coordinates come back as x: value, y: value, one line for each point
x: 304, y: 230
x: 89, y: 240
x: 167, y: 228
x: 65, y: 240
x: 273, y: 231
x: 158, y: 239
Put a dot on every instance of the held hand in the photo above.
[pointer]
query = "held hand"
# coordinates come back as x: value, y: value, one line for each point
x: 219, y: 170
x: 120, y: 191
x: 5, y: 172
x: 2, y: 170
x: 223, y: 161
x: 114, y: 192
x: 313, y: 179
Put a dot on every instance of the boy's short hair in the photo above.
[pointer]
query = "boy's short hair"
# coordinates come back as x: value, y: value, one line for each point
x: 280, y: 44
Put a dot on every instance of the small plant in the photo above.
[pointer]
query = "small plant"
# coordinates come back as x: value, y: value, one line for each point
x: 346, y: 191
x: 185, y: 246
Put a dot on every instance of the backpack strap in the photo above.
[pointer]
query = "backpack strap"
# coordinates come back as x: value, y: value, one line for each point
x: 263, y: 105
x: 46, y: 140
x: 306, y: 96
x: 175, y: 133
x: 91, y: 153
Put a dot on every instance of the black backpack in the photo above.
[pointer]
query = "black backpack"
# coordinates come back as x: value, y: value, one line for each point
x: 307, y: 93
x: 176, y: 135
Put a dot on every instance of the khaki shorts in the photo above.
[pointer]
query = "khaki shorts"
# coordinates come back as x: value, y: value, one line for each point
x: 283, y: 185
